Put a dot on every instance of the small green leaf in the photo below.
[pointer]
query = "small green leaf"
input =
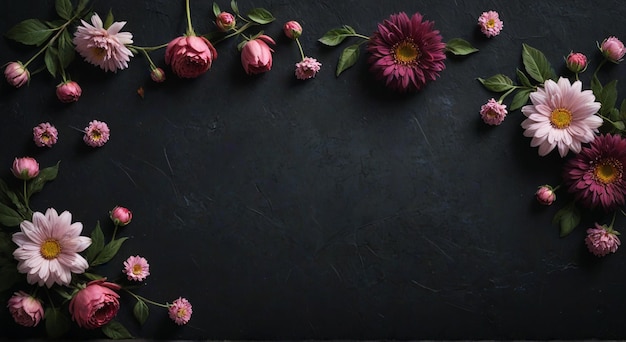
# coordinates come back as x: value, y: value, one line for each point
x: 45, y: 175
x: 216, y: 9
x: 108, y: 21
x: 17, y: 202
x: 65, y: 49
x: 235, y: 8
x: 141, y: 311
x: 608, y: 97
x: 261, y: 16
x: 63, y: 293
x: 335, y: 36
x: 63, y: 8
x: 567, y: 218
x: 536, y: 64
x: 9, y: 217
x: 30, y: 32
x: 521, y: 76
x: 619, y: 125
x: 97, y: 244
x: 50, y: 58
x: 82, y: 4
x: 460, y: 47
x: 92, y: 276
x: 116, y: 331
x: 348, y: 58
x: 498, y: 83
x: 108, y: 252
x: 57, y: 324
x: 520, y: 99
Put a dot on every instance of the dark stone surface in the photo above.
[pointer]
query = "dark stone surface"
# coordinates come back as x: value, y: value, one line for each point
x: 330, y: 208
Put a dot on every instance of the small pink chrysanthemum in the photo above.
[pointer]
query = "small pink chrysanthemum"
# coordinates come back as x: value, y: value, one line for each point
x: 307, y: 68
x: 406, y: 53
x: 180, y: 311
x: 490, y: 23
x: 136, y: 268
x: 562, y: 115
x: 105, y: 48
x: 96, y: 134
x: 45, y: 134
x: 596, y: 175
x: 602, y: 240
x: 493, y: 112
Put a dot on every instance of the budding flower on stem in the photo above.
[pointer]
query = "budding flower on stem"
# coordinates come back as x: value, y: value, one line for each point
x: 545, y: 194
x: 225, y: 21
x: 68, y: 92
x: 16, y: 74
x: 576, y: 62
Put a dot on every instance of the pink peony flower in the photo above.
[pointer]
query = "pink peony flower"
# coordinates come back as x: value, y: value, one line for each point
x: 25, y: 309
x: 493, y: 112
x: 562, y: 115
x: 48, y: 248
x: 190, y: 56
x: 180, y: 311
x: 16, y: 74
x: 613, y: 49
x: 136, y: 268
x: 406, y: 53
x: 256, y: 55
x: 120, y: 216
x: 307, y: 68
x: 157, y: 75
x: 95, y: 305
x: 576, y: 62
x: 96, y: 134
x: 545, y: 195
x: 490, y: 23
x: 225, y: 21
x: 68, y: 92
x: 45, y: 134
x: 25, y: 168
x: 105, y: 48
x: 292, y: 29
x: 602, y: 240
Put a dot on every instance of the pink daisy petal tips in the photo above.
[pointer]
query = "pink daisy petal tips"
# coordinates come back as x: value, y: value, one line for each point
x: 102, y: 47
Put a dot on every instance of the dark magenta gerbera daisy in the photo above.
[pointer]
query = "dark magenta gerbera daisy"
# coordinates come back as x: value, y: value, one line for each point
x: 406, y: 53
x: 596, y: 175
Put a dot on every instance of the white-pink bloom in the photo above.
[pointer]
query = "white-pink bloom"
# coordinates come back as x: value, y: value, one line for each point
x: 307, y: 68
x: 180, y: 311
x: 136, y: 268
x: 48, y: 248
x: 490, y: 23
x: 562, y: 115
x: 602, y: 240
x: 105, y: 48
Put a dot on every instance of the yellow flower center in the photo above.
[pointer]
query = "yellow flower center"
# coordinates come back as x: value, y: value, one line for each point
x: 406, y: 52
x: 45, y: 137
x: 608, y: 171
x: 182, y: 312
x: 99, y: 52
x: 561, y: 118
x: 137, y: 269
x: 491, y: 23
x: 50, y: 249
x: 96, y: 135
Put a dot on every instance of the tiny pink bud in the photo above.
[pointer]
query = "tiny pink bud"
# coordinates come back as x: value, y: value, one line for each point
x: 545, y: 195
x: 292, y: 29
x: 613, y: 49
x: 121, y: 216
x: 157, y: 75
x: 25, y: 168
x: 576, y: 62
x: 16, y: 74
x: 225, y: 21
x: 68, y: 92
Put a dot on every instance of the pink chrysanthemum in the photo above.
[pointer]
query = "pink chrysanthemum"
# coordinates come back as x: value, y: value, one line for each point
x: 490, y: 23
x: 180, y: 311
x: 596, y: 175
x: 48, y: 248
x: 105, y: 48
x: 562, y: 115
x: 136, y: 268
x: 406, y: 53
x: 307, y: 68
x: 602, y: 240
x: 493, y: 112
x: 96, y: 134
x: 45, y: 134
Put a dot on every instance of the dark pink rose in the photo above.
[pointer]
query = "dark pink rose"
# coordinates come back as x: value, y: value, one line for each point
x: 256, y: 55
x: 190, y: 56
x: 95, y: 305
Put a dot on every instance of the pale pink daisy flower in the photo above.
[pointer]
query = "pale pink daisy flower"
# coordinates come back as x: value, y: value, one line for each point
x: 493, y: 112
x: 307, y: 68
x: 48, y: 248
x: 562, y: 115
x: 96, y: 134
x: 105, y: 48
x: 490, y: 23
x: 180, y: 311
x: 136, y: 268
x: 602, y: 240
x: 45, y: 134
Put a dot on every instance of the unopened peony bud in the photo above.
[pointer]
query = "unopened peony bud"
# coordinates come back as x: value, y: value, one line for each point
x: 256, y: 55
x: 225, y: 21
x: 121, y: 216
x: 545, y: 195
x: 292, y: 29
x: 68, y: 92
x: 157, y: 75
x: 16, y: 74
x: 25, y: 168
x: 613, y: 49
x: 576, y: 62
x: 25, y: 309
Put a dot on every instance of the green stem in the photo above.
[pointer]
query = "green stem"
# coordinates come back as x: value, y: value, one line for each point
x: 114, y: 232
x: 300, y: 48
x: 152, y: 66
x: 138, y: 297
x: 238, y: 31
x: 60, y: 30
x: 506, y: 94
x: 595, y: 73
x: 148, y: 48
x: 26, y: 199
x: 359, y: 36
x: 190, y: 31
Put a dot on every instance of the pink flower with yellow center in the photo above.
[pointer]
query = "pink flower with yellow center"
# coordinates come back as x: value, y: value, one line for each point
x: 180, y: 311
x: 45, y: 134
x: 96, y: 134
x: 490, y: 23
x: 104, y: 47
x: 136, y: 268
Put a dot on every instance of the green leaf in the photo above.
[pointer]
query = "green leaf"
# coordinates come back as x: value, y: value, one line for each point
x: 261, y: 16
x: 57, y: 324
x: 216, y: 9
x: 17, y: 202
x: 116, y: 331
x: 141, y: 311
x: 235, y: 8
x: 521, y: 76
x: 50, y: 59
x: 82, y: 4
x: 9, y: 217
x: 108, y: 21
x: 567, y: 218
x: 65, y: 49
x: 9, y: 276
x: 498, y: 83
x: 348, y: 58
x: 63, y: 293
x: 97, y: 244
x: 64, y: 8
x: 108, y: 252
x: 622, y: 110
x: 608, y: 98
x: 45, y: 175
x: 536, y: 64
x: 460, y: 47
x: 335, y: 36
x: 30, y: 32
x: 520, y: 99
x: 92, y: 276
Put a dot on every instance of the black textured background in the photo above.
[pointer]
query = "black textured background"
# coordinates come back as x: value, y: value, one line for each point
x: 329, y: 208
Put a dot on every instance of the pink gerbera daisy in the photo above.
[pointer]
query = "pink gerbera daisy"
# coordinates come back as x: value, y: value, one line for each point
x: 406, y: 53
x: 45, y: 134
x: 180, y: 311
x: 48, y: 248
x: 596, y: 175
x: 96, y: 134
x: 562, y: 115
x: 602, y: 240
x: 490, y: 23
x: 105, y: 48
x: 307, y: 68
x: 136, y: 268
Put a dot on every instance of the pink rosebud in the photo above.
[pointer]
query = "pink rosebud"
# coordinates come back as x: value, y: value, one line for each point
x: 613, y: 49
x: 157, y: 75
x: 180, y: 311
x: 16, y: 74
x: 490, y: 23
x: 493, y: 112
x: 68, y: 92
x: 602, y: 240
x: 136, y: 268
x: 545, y: 195
x: 25, y: 168
x: 307, y: 68
x: 96, y: 134
x: 225, y: 21
x: 190, y: 56
x: 45, y: 134
x: 25, y: 309
x: 95, y: 305
x: 256, y: 55
x: 121, y: 216
x: 576, y: 62
x: 292, y: 29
